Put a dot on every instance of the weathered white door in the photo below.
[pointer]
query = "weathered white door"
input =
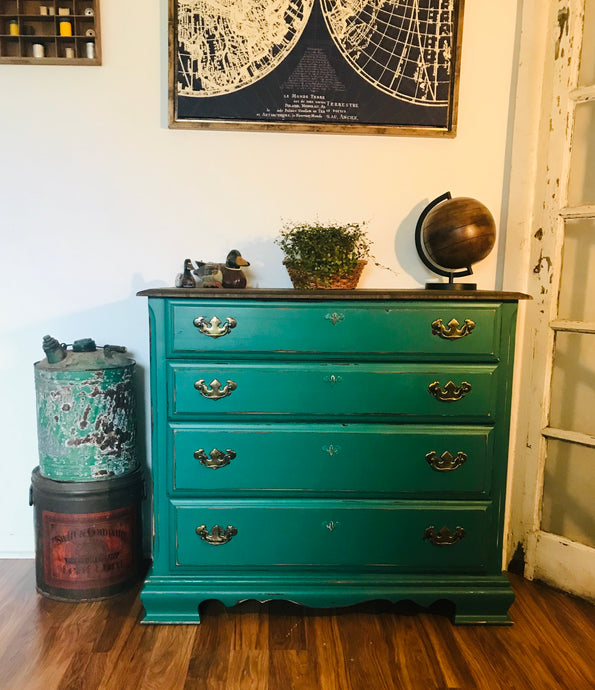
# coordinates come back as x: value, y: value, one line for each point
x: 557, y: 419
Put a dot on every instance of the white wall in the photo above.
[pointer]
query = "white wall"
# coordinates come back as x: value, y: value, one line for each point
x: 98, y: 199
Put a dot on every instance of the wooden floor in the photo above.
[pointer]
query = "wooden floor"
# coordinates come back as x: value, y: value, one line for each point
x: 47, y: 644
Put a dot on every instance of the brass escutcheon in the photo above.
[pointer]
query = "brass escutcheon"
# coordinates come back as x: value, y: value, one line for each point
x: 443, y: 537
x: 452, y: 332
x: 451, y: 392
x: 446, y: 462
x: 334, y: 318
x: 213, y: 328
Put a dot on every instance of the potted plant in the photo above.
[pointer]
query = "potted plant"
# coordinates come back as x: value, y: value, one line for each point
x: 324, y: 255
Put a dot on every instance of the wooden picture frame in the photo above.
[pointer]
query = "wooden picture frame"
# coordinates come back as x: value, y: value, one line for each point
x: 391, y: 68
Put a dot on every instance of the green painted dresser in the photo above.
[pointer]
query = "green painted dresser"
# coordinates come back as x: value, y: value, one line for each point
x: 328, y: 448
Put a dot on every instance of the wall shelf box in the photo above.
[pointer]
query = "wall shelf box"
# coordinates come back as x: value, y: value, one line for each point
x: 67, y: 30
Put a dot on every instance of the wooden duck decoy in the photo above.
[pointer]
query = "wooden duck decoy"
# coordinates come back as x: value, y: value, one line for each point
x: 228, y: 275
x: 233, y: 276
x: 186, y: 279
x: 208, y: 275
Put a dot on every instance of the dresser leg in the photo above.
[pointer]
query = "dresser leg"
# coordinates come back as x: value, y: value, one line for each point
x: 489, y: 609
x: 172, y: 607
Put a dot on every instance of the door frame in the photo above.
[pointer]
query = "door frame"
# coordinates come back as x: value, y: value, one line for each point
x: 549, y: 57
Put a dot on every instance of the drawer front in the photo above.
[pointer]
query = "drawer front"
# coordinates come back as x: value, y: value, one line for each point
x: 365, y: 459
x: 338, y: 534
x: 334, y: 328
x: 333, y: 390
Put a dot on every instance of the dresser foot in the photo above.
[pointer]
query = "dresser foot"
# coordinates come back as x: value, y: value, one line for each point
x: 169, y: 607
x: 486, y: 608
x: 465, y: 618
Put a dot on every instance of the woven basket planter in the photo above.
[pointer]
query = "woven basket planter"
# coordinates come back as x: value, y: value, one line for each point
x: 306, y: 281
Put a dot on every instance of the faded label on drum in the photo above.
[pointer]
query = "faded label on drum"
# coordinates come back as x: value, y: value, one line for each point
x: 89, y: 551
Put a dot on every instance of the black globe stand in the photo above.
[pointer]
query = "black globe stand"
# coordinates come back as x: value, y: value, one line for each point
x: 419, y: 245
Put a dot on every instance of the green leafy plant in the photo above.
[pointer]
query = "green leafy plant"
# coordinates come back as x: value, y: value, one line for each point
x: 324, y: 250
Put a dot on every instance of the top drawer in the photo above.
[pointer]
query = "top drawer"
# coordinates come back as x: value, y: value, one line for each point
x: 411, y: 329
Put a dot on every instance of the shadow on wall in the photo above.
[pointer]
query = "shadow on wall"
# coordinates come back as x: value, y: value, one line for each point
x: 408, y: 260
x: 266, y: 265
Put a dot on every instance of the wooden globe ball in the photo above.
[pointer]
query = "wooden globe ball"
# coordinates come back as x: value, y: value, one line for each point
x: 458, y: 232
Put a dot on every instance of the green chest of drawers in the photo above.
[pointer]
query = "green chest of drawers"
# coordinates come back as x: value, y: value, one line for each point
x: 329, y: 448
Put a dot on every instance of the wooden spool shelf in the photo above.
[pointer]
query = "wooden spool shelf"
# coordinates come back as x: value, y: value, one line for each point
x: 68, y: 30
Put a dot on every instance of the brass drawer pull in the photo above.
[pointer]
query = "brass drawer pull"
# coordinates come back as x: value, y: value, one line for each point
x: 451, y: 391
x: 443, y: 537
x: 453, y: 332
x: 213, y: 328
x: 218, y: 535
x: 446, y: 462
x: 216, y: 390
x: 215, y: 459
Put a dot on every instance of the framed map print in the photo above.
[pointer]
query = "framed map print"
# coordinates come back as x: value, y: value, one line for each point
x: 348, y: 66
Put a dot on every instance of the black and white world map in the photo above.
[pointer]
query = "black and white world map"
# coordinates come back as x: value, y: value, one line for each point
x: 402, y: 49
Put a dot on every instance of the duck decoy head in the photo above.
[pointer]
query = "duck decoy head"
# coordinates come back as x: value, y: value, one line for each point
x: 235, y: 259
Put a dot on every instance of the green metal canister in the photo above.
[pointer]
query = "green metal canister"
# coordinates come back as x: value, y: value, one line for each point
x: 86, y: 425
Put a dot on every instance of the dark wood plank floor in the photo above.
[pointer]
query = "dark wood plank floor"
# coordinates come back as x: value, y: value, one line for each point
x: 46, y: 644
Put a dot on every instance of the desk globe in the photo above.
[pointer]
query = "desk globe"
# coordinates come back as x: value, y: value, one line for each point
x: 453, y: 234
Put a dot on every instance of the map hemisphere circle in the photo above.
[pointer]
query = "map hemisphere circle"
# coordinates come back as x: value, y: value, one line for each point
x: 403, y: 48
x: 224, y: 48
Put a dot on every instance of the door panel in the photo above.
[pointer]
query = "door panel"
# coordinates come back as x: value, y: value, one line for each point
x: 577, y: 285
x: 573, y: 384
x: 581, y: 185
x: 568, y: 491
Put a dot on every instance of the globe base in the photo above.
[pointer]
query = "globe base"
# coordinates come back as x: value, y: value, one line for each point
x: 451, y: 286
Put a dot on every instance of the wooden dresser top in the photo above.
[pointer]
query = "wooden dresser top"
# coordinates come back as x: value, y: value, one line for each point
x: 292, y: 295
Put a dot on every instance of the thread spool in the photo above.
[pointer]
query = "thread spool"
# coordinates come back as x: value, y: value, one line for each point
x: 13, y: 27
x: 69, y: 52
x: 65, y: 28
x: 89, y: 12
x: 38, y: 50
x: 90, y: 49
x: 90, y: 33
x: 43, y: 10
x: 63, y: 11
